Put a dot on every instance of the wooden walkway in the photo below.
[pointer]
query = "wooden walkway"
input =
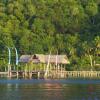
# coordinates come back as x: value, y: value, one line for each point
x: 84, y: 74
x: 52, y: 74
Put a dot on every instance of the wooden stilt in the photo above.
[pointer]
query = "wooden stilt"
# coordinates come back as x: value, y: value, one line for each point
x: 17, y: 75
x: 38, y: 75
x: 9, y: 71
x: 47, y: 69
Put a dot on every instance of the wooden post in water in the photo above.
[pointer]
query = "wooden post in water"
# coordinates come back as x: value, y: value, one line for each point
x: 57, y: 73
x: 53, y: 73
x: 30, y: 74
x: 9, y: 70
x: 23, y: 74
x: 64, y: 72
x: 46, y: 73
x: 61, y: 71
x: 17, y: 74
x: 38, y: 75
x: 25, y: 71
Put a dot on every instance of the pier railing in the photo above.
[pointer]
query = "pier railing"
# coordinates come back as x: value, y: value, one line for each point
x: 53, y: 74
x: 83, y: 74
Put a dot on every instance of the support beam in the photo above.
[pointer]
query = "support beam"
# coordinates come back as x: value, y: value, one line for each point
x: 46, y: 73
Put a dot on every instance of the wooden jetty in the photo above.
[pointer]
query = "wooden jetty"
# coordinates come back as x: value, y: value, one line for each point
x: 51, y: 74
x: 83, y: 74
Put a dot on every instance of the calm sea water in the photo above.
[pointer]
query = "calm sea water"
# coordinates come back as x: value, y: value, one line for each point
x: 50, y: 89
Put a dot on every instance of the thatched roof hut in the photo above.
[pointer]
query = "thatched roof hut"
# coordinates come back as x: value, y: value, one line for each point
x: 40, y: 58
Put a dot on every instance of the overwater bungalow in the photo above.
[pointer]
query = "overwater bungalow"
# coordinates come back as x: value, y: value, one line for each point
x: 50, y: 65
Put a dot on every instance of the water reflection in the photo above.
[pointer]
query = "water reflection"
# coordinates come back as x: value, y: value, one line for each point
x: 53, y: 92
x: 92, y: 92
x: 49, y: 91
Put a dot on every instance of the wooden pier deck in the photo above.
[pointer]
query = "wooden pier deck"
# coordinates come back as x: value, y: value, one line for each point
x: 84, y: 74
x: 51, y: 74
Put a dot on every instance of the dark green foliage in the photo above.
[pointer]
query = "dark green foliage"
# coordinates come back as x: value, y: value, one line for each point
x: 70, y: 27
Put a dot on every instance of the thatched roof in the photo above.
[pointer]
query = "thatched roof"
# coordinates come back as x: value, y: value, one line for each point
x: 40, y: 58
x: 25, y: 58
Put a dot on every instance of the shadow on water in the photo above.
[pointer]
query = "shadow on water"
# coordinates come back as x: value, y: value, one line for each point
x: 71, y: 89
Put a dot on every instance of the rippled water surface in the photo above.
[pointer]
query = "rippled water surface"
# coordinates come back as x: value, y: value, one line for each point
x: 49, y: 90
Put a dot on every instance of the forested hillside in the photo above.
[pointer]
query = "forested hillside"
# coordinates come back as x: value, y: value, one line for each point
x: 71, y: 27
